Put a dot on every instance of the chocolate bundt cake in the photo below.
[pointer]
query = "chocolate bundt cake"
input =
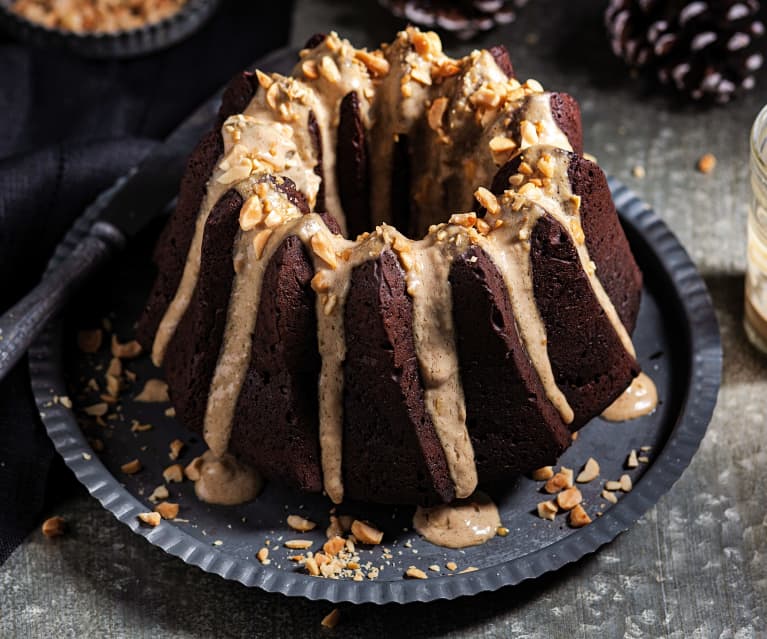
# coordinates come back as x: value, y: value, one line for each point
x: 385, y: 368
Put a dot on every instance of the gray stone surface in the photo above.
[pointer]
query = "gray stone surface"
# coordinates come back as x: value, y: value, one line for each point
x: 695, y: 566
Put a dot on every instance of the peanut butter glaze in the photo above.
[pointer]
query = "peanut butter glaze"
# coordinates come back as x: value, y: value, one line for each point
x: 225, y: 481
x: 486, y: 117
x: 640, y: 398
x: 459, y: 524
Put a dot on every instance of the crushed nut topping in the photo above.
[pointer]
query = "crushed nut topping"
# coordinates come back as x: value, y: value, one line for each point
x: 569, y: 499
x: 97, y: 410
x: 415, y: 573
x: 159, y: 493
x: 155, y: 390
x: 609, y: 496
x: 375, y: 63
x: 487, y: 199
x: 176, y: 446
x: 451, y: 565
x: 296, y: 522
x: 298, y: 544
x: 543, y: 473
x: 260, y: 240
x: 578, y: 517
x: 173, y: 474
x: 128, y: 350
x: 167, y: 510
x: 151, y: 519
x: 631, y: 460
x: 707, y: 163
x: 563, y: 479
x: 131, y: 467
x: 366, y: 533
x: 329, y: 70
x: 263, y: 555
x: 547, y: 509
x: 589, y: 473
x: 54, y: 526
x: 251, y: 213
x: 626, y: 484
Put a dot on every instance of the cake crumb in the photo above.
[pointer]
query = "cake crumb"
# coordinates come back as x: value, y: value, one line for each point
x: 331, y: 619
x: 415, y: 573
x: 54, y: 526
x: 706, y: 163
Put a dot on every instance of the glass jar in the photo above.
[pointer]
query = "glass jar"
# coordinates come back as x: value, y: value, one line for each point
x: 755, y: 320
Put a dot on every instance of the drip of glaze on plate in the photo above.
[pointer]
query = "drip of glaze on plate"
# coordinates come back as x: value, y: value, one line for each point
x: 224, y: 480
x: 459, y: 524
x: 640, y: 398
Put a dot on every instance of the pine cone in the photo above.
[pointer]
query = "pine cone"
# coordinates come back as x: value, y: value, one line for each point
x: 464, y: 18
x: 707, y: 50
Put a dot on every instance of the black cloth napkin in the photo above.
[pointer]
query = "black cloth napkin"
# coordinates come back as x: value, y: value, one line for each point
x: 68, y: 129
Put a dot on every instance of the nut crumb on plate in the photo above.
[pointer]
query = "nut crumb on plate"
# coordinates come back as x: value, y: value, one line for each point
x: 415, y: 573
x: 131, y: 467
x: 151, y: 519
x: 167, y: 510
x: 578, y: 517
x: 296, y: 522
x: 54, y: 526
x: 590, y: 471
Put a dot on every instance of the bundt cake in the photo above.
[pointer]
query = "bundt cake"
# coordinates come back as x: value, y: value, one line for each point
x: 384, y: 368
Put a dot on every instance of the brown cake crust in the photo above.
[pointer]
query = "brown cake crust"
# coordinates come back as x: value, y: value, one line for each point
x: 275, y: 426
x: 172, y: 248
x: 391, y: 452
x: 352, y: 170
x: 501, y: 56
x: 590, y: 365
x: 316, y: 136
x: 512, y: 425
x: 605, y: 240
x: 567, y: 115
x: 193, y: 351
